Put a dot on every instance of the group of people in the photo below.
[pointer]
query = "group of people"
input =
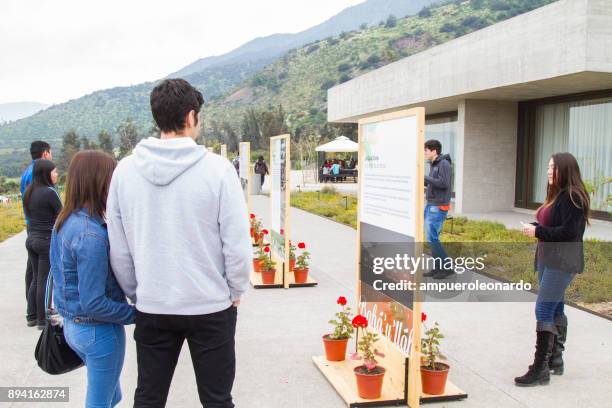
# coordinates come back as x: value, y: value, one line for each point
x: 559, y: 228
x: 334, y: 167
x: 162, y: 240
x: 166, y: 229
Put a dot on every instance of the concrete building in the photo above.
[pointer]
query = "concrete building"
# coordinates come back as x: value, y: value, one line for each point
x: 503, y: 99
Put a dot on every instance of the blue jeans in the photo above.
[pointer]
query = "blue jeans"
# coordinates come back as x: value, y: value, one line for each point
x: 101, y: 346
x: 434, y: 220
x: 549, y: 309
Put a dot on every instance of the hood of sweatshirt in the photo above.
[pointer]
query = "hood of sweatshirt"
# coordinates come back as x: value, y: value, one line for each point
x: 442, y: 157
x: 162, y: 161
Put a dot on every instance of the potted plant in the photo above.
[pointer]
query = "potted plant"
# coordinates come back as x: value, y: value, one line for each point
x: 268, y: 269
x: 261, y: 254
x: 335, y: 343
x: 433, y: 373
x: 256, y: 232
x: 292, y: 249
x: 370, y: 375
x: 300, y: 271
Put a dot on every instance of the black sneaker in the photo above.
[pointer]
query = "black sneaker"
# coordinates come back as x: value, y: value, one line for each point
x: 444, y: 274
x: 32, y: 323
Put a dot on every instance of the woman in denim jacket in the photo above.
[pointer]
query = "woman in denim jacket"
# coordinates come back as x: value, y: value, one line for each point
x: 85, y: 292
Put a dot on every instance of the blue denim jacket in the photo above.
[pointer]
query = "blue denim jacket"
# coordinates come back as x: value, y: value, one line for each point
x: 84, y: 287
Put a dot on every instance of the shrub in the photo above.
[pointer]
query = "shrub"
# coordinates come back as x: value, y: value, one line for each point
x: 312, y: 48
x: 448, y: 28
x: 373, y: 59
x: 474, y: 22
x: 391, y: 21
x: 363, y: 26
x: 344, y: 78
x: 344, y: 67
x: 328, y: 84
x: 425, y: 12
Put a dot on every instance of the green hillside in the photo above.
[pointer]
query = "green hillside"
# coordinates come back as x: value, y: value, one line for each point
x: 299, y: 80
x: 253, y: 100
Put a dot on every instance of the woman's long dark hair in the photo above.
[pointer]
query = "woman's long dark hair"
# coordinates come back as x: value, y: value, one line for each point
x: 567, y: 176
x: 41, y: 177
x: 87, y: 184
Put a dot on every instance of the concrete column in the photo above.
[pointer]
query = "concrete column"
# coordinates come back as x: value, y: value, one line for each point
x: 486, y: 156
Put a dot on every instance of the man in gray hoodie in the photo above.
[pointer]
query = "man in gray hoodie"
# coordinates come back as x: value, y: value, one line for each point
x: 180, y: 249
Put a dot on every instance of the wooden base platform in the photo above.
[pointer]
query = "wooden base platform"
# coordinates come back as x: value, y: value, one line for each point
x: 309, y: 282
x: 341, y: 377
x: 257, y: 283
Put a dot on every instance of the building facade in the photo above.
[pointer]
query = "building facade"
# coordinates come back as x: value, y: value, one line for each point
x: 503, y: 99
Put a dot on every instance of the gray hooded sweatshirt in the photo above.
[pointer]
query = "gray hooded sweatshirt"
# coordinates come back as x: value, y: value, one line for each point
x: 178, y: 229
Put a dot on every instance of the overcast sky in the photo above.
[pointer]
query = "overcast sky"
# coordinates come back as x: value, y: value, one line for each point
x: 55, y: 50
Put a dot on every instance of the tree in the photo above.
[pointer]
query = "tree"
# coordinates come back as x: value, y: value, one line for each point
x: 105, y: 141
x: 363, y: 26
x: 71, y: 145
x: 128, y: 137
x: 391, y: 21
x: 250, y: 128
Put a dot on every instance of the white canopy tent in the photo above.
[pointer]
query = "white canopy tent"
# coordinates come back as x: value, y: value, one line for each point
x: 339, y: 145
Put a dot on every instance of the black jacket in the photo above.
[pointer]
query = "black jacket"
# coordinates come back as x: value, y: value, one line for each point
x: 439, y: 181
x: 562, y: 240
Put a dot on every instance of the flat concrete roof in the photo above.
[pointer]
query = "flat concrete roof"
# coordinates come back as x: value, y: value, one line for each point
x: 562, y: 48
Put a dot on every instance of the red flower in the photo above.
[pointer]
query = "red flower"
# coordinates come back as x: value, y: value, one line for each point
x: 423, y: 317
x: 252, y: 215
x: 302, y: 245
x: 341, y: 301
x: 265, y: 232
x: 267, y: 249
x: 282, y: 231
x: 359, y: 321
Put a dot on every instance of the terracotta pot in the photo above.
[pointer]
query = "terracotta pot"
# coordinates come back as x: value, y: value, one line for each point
x: 335, y: 350
x: 252, y: 232
x: 433, y: 382
x: 258, y: 238
x: 291, y: 264
x: 267, y: 277
x: 256, y: 265
x: 301, y: 275
x: 369, y: 386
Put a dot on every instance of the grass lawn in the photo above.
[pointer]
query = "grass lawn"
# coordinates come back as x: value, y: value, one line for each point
x: 11, y: 219
x: 510, y: 254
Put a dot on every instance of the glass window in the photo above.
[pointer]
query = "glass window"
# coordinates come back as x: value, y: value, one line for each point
x: 443, y: 129
x: 583, y: 128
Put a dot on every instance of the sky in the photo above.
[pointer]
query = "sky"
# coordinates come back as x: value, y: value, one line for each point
x: 52, y: 51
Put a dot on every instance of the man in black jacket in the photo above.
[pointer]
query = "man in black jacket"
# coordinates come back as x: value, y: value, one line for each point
x: 438, y: 195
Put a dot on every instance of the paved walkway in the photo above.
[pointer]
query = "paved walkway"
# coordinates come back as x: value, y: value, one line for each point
x: 279, y: 330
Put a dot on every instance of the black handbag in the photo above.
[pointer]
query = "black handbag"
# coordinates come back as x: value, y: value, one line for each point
x: 53, y: 354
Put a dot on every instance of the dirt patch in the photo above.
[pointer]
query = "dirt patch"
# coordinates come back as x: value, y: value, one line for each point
x: 603, y: 308
x: 243, y: 95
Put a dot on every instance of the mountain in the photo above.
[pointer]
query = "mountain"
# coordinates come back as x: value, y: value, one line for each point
x: 106, y: 109
x: 18, y: 110
x: 243, y: 98
x: 370, y: 12
x: 299, y: 80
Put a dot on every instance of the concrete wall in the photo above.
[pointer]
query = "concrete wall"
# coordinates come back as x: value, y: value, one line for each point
x: 554, y: 50
x: 485, y: 171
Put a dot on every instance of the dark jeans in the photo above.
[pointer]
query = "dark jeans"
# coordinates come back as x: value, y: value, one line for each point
x: 434, y: 221
x: 38, y: 258
x: 550, y: 305
x: 263, y: 177
x: 31, y: 307
x: 159, y: 339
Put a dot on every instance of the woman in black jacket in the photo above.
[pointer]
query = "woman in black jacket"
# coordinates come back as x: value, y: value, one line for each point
x: 560, y: 225
x: 42, y: 205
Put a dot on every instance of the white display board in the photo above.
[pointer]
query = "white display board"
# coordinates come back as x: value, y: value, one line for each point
x: 244, y: 171
x: 278, y: 167
x: 388, y: 174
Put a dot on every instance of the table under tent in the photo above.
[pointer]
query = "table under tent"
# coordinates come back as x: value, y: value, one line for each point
x: 340, y: 157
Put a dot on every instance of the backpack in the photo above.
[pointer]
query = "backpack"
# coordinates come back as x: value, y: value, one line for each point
x: 260, y: 168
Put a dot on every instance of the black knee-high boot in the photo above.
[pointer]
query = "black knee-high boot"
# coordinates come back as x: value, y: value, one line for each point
x: 539, y: 373
x: 556, y: 359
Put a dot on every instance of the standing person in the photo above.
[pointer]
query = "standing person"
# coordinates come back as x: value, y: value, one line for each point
x: 261, y: 168
x: 42, y: 205
x: 181, y: 250
x: 85, y: 292
x: 438, y: 196
x: 38, y: 150
x: 560, y: 226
